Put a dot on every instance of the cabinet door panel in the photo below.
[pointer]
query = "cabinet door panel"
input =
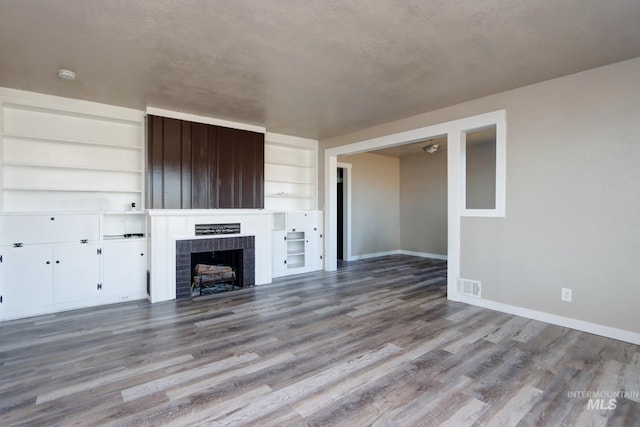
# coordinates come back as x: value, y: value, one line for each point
x: 313, y: 250
x: 25, y: 277
x: 75, y: 272
x: 124, y: 269
x: 279, y: 253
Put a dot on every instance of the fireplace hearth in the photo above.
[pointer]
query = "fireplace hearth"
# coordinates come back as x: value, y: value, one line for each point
x: 238, y: 252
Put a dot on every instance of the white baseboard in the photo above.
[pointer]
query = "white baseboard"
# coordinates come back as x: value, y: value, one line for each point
x: 424, y: 254
x: 567, y: 322
x: 396, y: 252
x: 374, y: 255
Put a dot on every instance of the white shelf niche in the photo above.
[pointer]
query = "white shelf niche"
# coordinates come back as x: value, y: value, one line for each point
x: 59, y: 154
x: 290, y: 172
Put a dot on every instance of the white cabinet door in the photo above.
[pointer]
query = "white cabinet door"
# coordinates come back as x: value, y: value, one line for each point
x: 279, y: 253
x: 300, y: 220
x: 75, y: 273
x: 313, y: 250
x: 25, y: 277
x: 124, y: 269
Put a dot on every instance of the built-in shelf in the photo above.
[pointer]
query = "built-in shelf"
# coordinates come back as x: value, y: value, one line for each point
x: 292, y: 165
x: 290, y: 173
x: 68, y: 141
x: 290, y: 181
x: 122, y: 237
x: 70, y: 167
x: 71, y: 190
x: 291, y: 195
x: 69, y: 156
x: 130, y: 212
x: 123, y: 225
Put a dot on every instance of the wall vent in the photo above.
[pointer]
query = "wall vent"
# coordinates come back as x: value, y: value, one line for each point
x: 470, y: 287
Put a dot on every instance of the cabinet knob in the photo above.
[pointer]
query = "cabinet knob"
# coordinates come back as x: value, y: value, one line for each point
x: 57, y: 261
x: 48, y: 262
x: 52, y: 219
x: 141, y: 254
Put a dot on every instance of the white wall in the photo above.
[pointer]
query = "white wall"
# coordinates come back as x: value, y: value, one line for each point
x: 573, y: 199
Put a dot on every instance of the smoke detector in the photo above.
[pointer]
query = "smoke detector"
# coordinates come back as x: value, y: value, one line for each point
x: 66, y: 74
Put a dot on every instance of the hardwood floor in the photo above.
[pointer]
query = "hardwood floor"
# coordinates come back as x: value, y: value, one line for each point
x: 375, y: 343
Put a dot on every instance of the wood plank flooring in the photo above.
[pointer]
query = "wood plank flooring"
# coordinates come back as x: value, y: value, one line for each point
x: 375, y: 343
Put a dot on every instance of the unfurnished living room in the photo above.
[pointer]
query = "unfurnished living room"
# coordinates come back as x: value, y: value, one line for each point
x: 288, y: 213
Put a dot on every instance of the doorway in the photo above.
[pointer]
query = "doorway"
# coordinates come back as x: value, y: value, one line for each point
x: 343, y: 212
x: 456, y: 132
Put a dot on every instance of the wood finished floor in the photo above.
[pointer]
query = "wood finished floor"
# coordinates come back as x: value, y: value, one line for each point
x: 375, y: 343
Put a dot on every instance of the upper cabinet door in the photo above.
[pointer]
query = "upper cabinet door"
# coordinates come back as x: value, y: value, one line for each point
x: 34, y: 229
x: 303, y: 220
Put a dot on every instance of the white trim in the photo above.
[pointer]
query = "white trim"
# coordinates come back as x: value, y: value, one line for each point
x: 203, y: 119
x: 453, y: 218
x: 554, y: 319
x: 424, y: 255
x: 499, y: 119
x: 331, y: 212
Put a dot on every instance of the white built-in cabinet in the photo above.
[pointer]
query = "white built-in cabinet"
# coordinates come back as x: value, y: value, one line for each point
x: 53, y: 262
x: 72, y: 218
x: 297, y: 242
x: 290, y: 172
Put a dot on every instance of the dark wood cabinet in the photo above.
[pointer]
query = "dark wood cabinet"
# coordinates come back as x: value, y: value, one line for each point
x: 200, y: 166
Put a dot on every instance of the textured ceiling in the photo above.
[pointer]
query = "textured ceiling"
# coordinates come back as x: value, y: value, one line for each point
x: 313, y: 68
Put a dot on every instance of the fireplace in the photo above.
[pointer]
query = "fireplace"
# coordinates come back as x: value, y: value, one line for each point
x: 217, y: 271
x: 239, y: 251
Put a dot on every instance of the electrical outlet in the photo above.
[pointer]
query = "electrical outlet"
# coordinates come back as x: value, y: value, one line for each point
x: 566, y: 294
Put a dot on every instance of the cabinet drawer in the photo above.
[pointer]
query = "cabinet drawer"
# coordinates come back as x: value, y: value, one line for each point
x: 54, y: 228
x: 302, y: 220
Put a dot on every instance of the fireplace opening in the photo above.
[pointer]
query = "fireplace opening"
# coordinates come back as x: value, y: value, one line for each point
x: 237, y: 252
x: 216, y: 271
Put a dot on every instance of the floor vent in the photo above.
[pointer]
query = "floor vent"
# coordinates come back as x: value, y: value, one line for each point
x: 470, y: 287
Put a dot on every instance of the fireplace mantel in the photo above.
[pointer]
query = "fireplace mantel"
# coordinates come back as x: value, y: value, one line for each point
x: 166, y: 226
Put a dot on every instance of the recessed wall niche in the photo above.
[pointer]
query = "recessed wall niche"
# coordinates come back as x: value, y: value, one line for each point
x: 200, y: 166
